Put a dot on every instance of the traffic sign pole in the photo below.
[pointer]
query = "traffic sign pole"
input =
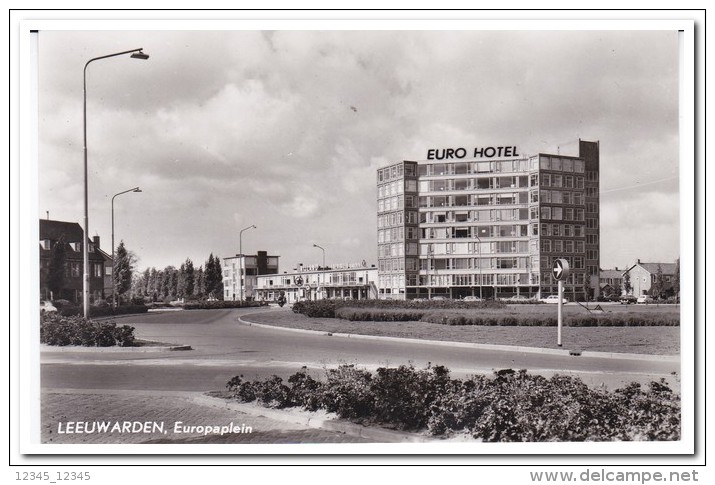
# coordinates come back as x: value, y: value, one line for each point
x: 561, y: 305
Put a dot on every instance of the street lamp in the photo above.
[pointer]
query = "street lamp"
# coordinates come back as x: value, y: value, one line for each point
x: 136, y: 54
x: 319, y: 247
x: 114, y: 294
x: 240, y: 261
x: 479, y: 259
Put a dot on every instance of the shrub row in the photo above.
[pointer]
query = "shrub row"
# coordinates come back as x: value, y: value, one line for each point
x: 62, y: 330
x: 508, y: 406
x: 102, y: 311
x: 207, y: 305
x: 326, y: 308
x: 495, y: 319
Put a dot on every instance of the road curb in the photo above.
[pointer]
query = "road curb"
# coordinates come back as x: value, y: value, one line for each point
x: 470, y: 345
x: 352, y: 429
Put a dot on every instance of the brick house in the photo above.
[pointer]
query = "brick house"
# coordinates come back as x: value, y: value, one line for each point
x: 100, y: 263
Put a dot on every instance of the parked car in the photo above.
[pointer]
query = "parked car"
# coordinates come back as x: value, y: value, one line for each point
x: 438, y: 298
x: 644, y: 299
x: 627, y: 299
x: 47, y: 306
x: 472, y: 298
x: 521, y: 299
x: 554, y: 299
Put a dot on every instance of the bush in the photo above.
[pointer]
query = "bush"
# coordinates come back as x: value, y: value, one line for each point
x: 508, y: 406
x: 61, y: 330
x: 209, y: 305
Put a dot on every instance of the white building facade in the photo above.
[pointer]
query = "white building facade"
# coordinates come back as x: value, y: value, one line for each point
x: 343, y: 282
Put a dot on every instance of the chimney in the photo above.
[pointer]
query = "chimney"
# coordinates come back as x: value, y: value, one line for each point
x: 639, y: 261
x: 95, y: 240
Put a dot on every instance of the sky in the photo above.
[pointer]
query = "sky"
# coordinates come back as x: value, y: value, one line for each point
x: 285, y: 130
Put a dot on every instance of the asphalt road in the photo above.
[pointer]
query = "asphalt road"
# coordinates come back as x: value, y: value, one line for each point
x: 223, y: 348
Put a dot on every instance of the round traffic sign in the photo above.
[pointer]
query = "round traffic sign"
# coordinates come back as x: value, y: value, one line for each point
x: 561, y: 269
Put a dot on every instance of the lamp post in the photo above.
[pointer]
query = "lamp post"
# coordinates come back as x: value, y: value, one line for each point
x: 240, y: 261
x: 114, y: 293
x: 135, y: 54
x: 319, y: 247
x: 479, y: 259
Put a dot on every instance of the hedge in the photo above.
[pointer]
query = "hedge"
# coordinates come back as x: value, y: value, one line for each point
x: 102, y: 311
x: 507, y: 406
x: 60, y: 330
x: 208, y: 305
x: 326, y: 308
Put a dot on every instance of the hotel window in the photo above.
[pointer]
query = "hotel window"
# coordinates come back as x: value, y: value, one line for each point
x: 557, y: 180
x: 579, y: 182
x: 568, y: 214
x: 558, y: 246
x: 410, y: 170
x: 545, y: 196
x: 546, y: 179
x: 533, y: 213
x: 567, y: 165
x: 556, y: 197
x: 592, y: 176
x: 568, y: 228
x: 557, y: 213
x: 533, y: 180
x: 578, y: 166
x: 579, y: 246
x: 545, y: 229
x: 410, y: 185
x: 544, y: 163
x: 591, y: 223
x: 578, y: 198
x: 578, y: 262
x: 569, y: 246
x: 556, y: 164
x: 555, y: 229
x: 567, y: 199
x: 579, y: 215
x: 546, y: 245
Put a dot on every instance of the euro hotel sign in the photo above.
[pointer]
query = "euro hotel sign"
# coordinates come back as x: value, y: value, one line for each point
x: 483, y: 152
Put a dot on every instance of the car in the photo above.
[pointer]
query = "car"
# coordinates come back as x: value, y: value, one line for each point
x: 47, y: 306
x: 627, y: 299
x: 613, y: 298
x: 554, y: 299
x: 472, y: 298
x: 520, y: 299
x: 438, y: 298
x: 644, y: 299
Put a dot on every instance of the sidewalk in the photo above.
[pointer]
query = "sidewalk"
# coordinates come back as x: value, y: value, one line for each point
x: 161, y: 413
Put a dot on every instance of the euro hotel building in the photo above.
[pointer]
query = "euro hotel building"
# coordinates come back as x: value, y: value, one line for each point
x: 488, y: 222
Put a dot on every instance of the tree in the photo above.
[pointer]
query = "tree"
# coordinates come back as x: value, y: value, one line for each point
x: 56, y: 269
x: 656, y: 290
x: 676, y: 279
x: 587, y: 287
x: 627, y: 283
x: 123, y: 268
x: 214, y: 277
x: 199, y: 285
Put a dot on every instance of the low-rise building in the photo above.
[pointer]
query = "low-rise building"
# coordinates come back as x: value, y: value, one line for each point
x: 643, y: 276
x: 354, y: 281
x: 611, y: 281
x: 69, y: 284
x: 240, y: 274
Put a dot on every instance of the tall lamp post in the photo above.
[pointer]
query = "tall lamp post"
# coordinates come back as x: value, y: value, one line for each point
x: 323, y: 282
x: 135, y: 54
x: 114, y: 293
x: 479, y: 259
x: 240, y: 261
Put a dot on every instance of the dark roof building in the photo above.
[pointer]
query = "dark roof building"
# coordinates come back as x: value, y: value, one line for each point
x: 69, y: 281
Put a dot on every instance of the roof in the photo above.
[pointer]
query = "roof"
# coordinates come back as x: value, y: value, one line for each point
x: 652, y: 268
x: 52, y: 230
x: 611, y: 273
